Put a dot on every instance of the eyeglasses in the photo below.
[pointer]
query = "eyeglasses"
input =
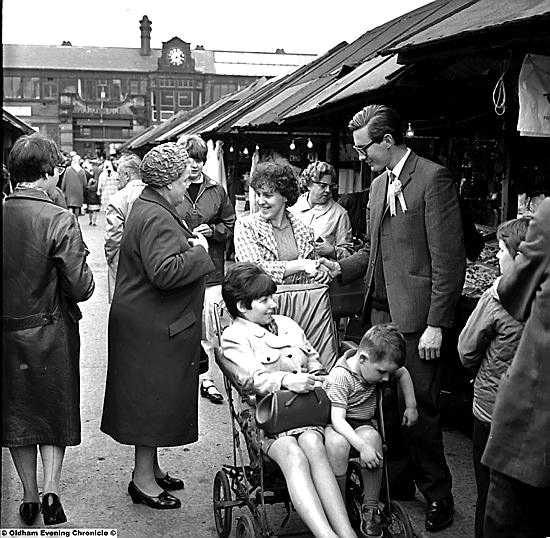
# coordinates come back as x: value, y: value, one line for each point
x: 324, y: 186
x: 60, y: 168
x: 362, y: 150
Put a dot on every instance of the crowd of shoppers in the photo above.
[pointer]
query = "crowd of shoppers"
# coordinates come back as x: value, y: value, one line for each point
x: 168, y: 226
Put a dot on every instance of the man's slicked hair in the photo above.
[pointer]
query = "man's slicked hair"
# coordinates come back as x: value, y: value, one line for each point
x: 381, y: 120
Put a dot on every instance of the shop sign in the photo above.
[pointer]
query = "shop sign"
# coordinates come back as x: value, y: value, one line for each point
x: 94, y: 111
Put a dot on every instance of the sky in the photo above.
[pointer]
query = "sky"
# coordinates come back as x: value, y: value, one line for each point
x: 298, y: 26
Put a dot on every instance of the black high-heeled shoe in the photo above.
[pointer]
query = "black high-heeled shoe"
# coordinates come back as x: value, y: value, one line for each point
x: 28, y: 512
x: 52, y: 511
x: 209, y: 390
x: 164, y: 501
x: 169, y: 482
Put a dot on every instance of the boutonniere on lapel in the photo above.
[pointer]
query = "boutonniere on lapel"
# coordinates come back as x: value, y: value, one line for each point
x: 395, y: 190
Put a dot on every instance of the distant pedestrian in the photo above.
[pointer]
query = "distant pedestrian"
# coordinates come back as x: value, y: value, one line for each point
x: 107, y: 184
x: 74, y: 186
x: 486, y: 346
x: 44, y: 276
x: 118, y: 210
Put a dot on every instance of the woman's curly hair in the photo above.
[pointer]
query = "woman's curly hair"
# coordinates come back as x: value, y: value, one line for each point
x: 278, y: 175
x: 314, y: 171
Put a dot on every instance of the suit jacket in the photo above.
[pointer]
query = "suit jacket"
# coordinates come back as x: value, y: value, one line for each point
x: 519, y: 444
x: 423, y: 253
x: 255, y: 242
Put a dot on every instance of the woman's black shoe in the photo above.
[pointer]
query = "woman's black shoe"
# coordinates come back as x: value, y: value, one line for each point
x: 164, y: 501
x: 52, y: 511
x: 209, y: 390
x: 169, y: 483
x: 28, y: 512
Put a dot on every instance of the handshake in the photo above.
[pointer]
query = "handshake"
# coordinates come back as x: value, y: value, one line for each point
x: 322, y: 270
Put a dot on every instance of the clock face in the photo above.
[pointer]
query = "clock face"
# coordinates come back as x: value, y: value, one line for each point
x: 176, y: 56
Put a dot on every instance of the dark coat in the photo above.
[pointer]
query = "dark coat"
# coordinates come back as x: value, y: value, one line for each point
x: 74, y: 186
x: 519, y: 444
x: 151, y: 394
x: 44, y: 276
x: 212, y: 207
x: 424, y: 260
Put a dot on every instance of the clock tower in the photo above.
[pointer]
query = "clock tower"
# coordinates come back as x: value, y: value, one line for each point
x: 176, y: 57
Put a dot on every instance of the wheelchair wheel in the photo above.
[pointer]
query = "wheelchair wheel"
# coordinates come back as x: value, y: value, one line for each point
x: 245, y: 527
x: 354, y: 492
x: 222, y: 494
x: 399, y: 525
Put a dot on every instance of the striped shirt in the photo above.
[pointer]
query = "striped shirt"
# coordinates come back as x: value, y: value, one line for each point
x: 348, y: 390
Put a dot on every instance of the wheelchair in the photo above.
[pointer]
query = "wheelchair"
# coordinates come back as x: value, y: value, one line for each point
x: 255, y: 482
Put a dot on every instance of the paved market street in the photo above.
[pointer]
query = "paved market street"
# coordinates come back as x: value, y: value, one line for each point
x: 96, y: 473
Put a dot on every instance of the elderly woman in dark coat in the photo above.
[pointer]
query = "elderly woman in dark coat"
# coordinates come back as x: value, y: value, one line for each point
x: 44, y: 276
x: 155, y: 328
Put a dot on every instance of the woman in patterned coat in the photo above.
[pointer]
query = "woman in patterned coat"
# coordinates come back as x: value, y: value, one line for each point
x: 273, y: 238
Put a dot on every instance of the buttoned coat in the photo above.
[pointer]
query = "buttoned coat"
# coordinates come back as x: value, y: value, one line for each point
x: 423, y: 258
x: 257, y: 360
x: 255, y: 243
x: 329, y: 221
x: 44, y: 276
x: 519, y: 443
x: 155, y: 329
x: 213, y: 207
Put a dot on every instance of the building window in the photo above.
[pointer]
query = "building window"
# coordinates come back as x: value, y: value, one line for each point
x: 67, y: 85
x: 31, y: 88
x: 185, y: 83
x: 12, y: 87
x: 134, y: 87
x: 185, y: 99
x: 49, y: 88
x: 102, y: 90
x: 116, y: 92
x: 167, y: 83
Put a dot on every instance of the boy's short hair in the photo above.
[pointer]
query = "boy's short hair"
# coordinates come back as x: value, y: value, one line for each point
x: 384, y: 341
x: 32, y: 157
x: 245, y: 282
x: 512, y: 233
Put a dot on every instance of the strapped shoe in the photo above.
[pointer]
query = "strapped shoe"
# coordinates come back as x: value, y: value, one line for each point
x: 164, y: 501
x: 209, y: 390
x: 440, y: 513
x: 169, y: 483
x: 370, y: 523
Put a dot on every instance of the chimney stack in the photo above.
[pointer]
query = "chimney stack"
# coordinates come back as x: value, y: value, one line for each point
x: 145, y: 27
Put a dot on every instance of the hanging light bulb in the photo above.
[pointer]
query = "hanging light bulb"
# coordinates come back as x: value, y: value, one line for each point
x: 231, y: 149
x: 245, y: 151
x: 257, y: 147
x: 292, y: 145
x: 409, y: 133
x: 309, y: 143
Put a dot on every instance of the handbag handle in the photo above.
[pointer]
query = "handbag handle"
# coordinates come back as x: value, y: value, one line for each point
x: 291, y: 401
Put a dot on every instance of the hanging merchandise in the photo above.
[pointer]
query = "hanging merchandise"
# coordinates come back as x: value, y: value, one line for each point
x: 251, y: 193
x: 534, y: 96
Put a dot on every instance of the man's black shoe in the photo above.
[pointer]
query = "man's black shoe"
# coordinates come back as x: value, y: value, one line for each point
x: 440, y: 513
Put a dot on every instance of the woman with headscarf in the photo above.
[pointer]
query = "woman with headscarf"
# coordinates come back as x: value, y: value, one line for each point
x: 44, y: 276
x: 73, y: 185
x: 155, y: 328
x: 107, y: 184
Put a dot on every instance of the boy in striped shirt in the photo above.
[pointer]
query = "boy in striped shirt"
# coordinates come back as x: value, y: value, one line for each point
x: 351, y: 388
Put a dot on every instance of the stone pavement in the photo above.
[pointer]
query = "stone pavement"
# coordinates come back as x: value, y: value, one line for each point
x: 96, y: 473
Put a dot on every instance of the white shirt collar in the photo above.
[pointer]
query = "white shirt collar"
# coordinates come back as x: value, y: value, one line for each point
x: 399, y: 166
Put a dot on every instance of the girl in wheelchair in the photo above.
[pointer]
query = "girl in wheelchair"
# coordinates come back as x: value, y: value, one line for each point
x: 263, y: 352
x: 351, y: 388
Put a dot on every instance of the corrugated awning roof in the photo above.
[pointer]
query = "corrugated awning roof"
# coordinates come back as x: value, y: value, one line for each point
x: 16, y: 124
x: 479, y: 15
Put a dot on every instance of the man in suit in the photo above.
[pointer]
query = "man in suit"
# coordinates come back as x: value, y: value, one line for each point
x: 415, y: 263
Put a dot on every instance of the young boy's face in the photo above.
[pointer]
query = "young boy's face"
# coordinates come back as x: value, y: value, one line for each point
x: 505, y: 259
x: 261, y: 310
x: 374, y: 372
